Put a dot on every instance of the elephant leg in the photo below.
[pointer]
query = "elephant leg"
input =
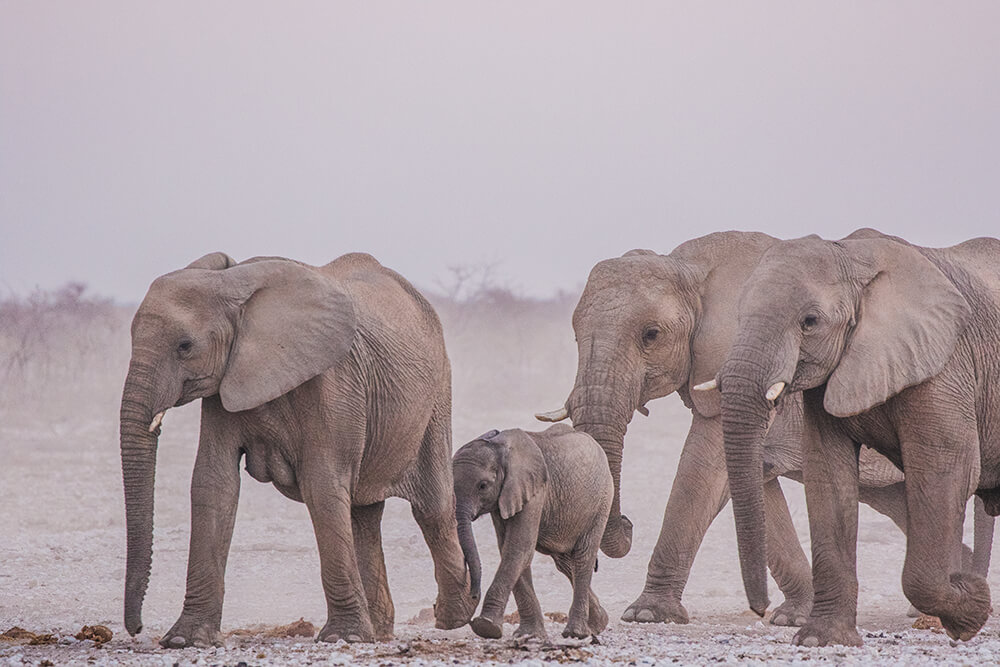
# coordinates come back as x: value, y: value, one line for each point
x: 366, y: 524
x: 517, y: 547
x: 983, y: 544
x: 830, y: 473
x: 578, y: 623
x: 698, y: 494
x: 433, y: 502
x: 786, y: 560
x: 215, y: 491
x: 939, y: 479
x: 597, y: 617
x: 532, y: 622
x: 329, y: 502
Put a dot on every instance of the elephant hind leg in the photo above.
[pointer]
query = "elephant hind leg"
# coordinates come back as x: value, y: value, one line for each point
x: 431, y: 492
x: 366, y: 524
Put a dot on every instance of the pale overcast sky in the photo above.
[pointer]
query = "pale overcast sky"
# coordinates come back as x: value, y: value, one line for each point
x: 537, y: 136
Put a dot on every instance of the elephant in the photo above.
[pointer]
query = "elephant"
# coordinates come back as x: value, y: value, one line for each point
x: 333, y: 384
x: 892, y: 345
x: 648, y: 325
x: 548, y: 491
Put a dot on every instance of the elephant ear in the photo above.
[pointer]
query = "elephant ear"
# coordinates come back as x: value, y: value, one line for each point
x: 909, y: 320
x: 525, y: 474
x: 215, y: 261
x: 295, y: 323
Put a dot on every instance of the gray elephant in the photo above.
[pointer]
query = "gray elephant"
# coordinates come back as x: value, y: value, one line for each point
x: 892, y: 345
x: 549, y: 491
x: 648, y: 325
x: 333, y: 384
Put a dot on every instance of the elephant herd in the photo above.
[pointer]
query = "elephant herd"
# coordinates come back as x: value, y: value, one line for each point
x: 840, y: 364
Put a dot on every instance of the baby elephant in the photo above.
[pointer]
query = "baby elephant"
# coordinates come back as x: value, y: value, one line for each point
x: 549, y: 491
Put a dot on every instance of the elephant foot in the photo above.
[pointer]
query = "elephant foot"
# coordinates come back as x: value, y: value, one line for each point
x: 913, y: 612
x: 577, y: 628
x: 350, y: 630
x: 535, y: 629
x: 597, y: 619
x: 486, y: 628
x: 792, y: 613
x: 965, y: 619
x: 827, y: 631
x: 189, y: 632
x: 452, y: 612
x: 650, y: 608
x: 383, y: 631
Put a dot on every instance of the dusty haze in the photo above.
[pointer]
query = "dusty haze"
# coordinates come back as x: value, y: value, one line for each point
x: 542, y: 136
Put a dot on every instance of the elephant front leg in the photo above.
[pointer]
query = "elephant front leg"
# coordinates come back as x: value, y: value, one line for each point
x: 831, y: 479
x: 329, y: 504
x: 786, y: 560
x: 215, y: 490
x: 698, y: 493
x: 532, y: 623
x: 517, y: 537
x: 366, y: 524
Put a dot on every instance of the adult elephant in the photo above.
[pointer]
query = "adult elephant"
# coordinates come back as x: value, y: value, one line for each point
x: 891, y: 345
x: 648, y: 325
x: 334, y: 385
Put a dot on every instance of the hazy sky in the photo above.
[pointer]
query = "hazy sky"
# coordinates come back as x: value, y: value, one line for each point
x: 539, y: 136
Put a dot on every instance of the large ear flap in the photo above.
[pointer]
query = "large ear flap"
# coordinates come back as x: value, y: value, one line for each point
x: 295, y: 323
x: 213, y: 260
x: 525, y: 473
x: 909, y: 320
x: 720, y: 264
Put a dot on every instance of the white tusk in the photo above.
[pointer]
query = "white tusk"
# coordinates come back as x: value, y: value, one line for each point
x: 157, y: 420
x: 706, y: 386
x: 553, y: 416
x: 775, y: 391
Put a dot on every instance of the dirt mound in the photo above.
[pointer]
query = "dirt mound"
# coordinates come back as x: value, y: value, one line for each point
x: 925, y: 622
x: 99, y: 634
x: 556, y: 616
x: 299, y: 628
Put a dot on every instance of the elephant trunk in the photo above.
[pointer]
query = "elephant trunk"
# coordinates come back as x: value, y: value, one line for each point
x: 467, y: 539
x: 745, y: 417
x: 138, y: 449
x: 603, y: 413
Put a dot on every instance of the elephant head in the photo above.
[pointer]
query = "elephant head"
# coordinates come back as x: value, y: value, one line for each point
x: 247, y: 332
x: 867, y: 317
x: 648, y: 325
x: 495, y: 472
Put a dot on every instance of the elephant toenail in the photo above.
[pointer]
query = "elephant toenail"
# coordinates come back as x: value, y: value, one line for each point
x: 353, y: 638
x: 811, y: 641
x: 645, y: 616
x: 178, y: 641
x: 629, y: 614
x: 780, y: 619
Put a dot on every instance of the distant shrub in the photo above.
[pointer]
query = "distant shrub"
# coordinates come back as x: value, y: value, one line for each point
x: 60, y: 345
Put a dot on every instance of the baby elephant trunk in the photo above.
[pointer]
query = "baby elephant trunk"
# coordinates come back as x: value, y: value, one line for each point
x: 468, y: 541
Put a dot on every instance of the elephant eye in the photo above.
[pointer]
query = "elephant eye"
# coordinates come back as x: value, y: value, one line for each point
x: 184, y: 346
x: 650, y: 334
x: 809, y: 322
x: 483, y: 484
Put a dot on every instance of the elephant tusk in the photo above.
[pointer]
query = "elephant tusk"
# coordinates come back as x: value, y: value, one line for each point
x: 552, y: 416
x: 157, y: 420
x: 775, y: 391
x: 643, y: 410
x: 706, y: 386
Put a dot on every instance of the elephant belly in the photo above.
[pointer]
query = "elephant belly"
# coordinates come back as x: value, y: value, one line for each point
x: 268, y: 465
